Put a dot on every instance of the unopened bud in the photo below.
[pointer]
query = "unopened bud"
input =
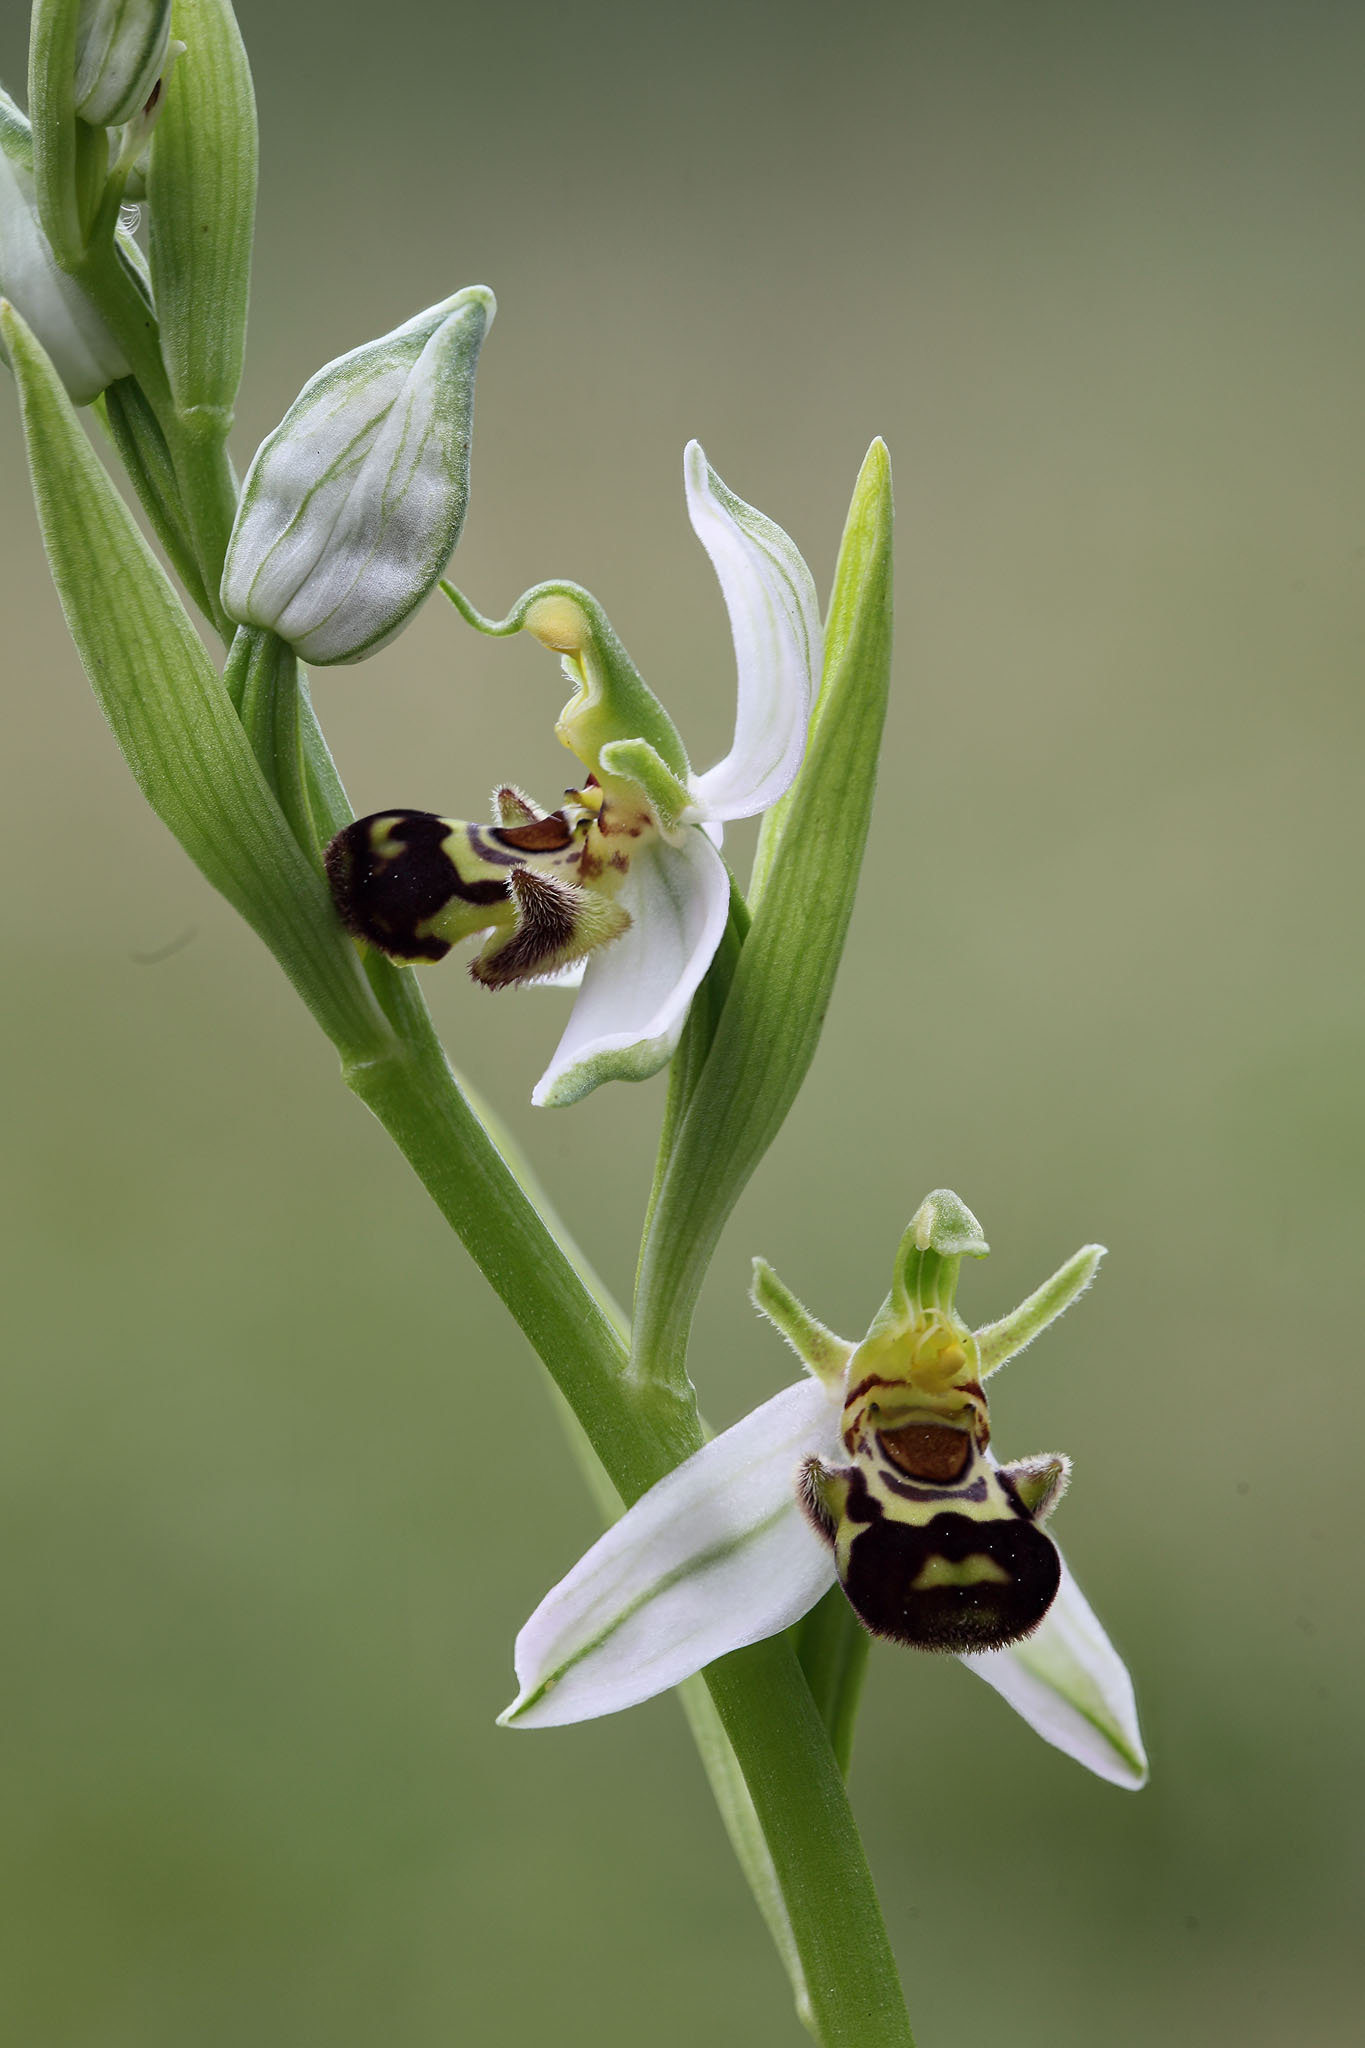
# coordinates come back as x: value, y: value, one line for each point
x: 352, y: 507
x: 120, y: 55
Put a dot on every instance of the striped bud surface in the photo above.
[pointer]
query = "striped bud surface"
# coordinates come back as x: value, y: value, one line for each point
x: 120, y: 53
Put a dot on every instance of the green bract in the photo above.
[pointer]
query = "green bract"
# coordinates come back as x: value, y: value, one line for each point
x: 169, y: 711
x: 201, y: 194
x: 120, y: 52
x: 753, y: 1056
x: 352, y: 507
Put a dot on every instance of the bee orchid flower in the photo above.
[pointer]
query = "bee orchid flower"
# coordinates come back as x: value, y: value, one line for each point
x: 622, y: 883
x: 875, y: 1472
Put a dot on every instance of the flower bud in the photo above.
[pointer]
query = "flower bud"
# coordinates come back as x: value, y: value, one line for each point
x: 352, y: 507
x: 84, y: 353
x: 120, y: 54
x: 128, y: 144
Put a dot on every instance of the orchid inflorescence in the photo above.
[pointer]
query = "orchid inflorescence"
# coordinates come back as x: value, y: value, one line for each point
x: 874, y: 1472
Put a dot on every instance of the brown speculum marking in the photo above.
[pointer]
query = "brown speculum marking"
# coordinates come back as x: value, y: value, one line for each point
x: 542, y: 835
x: 928, y: 1450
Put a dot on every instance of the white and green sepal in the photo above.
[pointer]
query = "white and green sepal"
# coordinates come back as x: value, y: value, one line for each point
x: 73, y: 333
x: 779, y: 645
x: 873, y: 1473
x: 635, y: 996
x: 716, y: 1556
x: 1070, y: 1684
x: 352, y: 507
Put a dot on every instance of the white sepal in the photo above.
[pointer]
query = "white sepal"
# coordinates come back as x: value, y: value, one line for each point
x: 564, y: 977
x: 352, y: 507
x: 120, y: 54
x: 775, y: 620
x: 715, y: 1556
x: 1070, y: 1684
x: 633, y: 1003
x: 84, y: 353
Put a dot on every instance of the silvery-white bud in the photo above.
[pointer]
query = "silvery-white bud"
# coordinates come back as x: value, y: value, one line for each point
x: 120, y: 54
x: 352, y: 507
x: 84, y: 353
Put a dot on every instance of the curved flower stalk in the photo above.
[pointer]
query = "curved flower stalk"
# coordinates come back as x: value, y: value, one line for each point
x: 623, y: 881
x: 875, y: 1472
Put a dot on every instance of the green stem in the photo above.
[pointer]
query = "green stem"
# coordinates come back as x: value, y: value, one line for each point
x: 136, y: 434
x: 415, y: 1096
x: 208, y: 492
x: 262, y: 678
x: 832, y: 1648
x: 793, y: 1776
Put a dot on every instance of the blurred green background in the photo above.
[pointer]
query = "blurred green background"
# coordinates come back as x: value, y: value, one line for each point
x: 1094, y: 271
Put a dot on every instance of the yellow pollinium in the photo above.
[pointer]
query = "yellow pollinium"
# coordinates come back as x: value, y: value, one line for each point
x: 558, y: 623
x: 939, y: 1359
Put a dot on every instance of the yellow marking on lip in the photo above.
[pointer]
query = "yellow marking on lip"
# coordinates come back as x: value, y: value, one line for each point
x: 975, y: 1570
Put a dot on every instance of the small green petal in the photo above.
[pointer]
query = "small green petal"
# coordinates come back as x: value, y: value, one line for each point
x: 819, y: 1348
x: 1003, y: 1340
x: 636, y: 761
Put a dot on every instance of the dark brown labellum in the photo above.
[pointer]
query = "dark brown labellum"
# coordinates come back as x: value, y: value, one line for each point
x: 952, y: 1583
